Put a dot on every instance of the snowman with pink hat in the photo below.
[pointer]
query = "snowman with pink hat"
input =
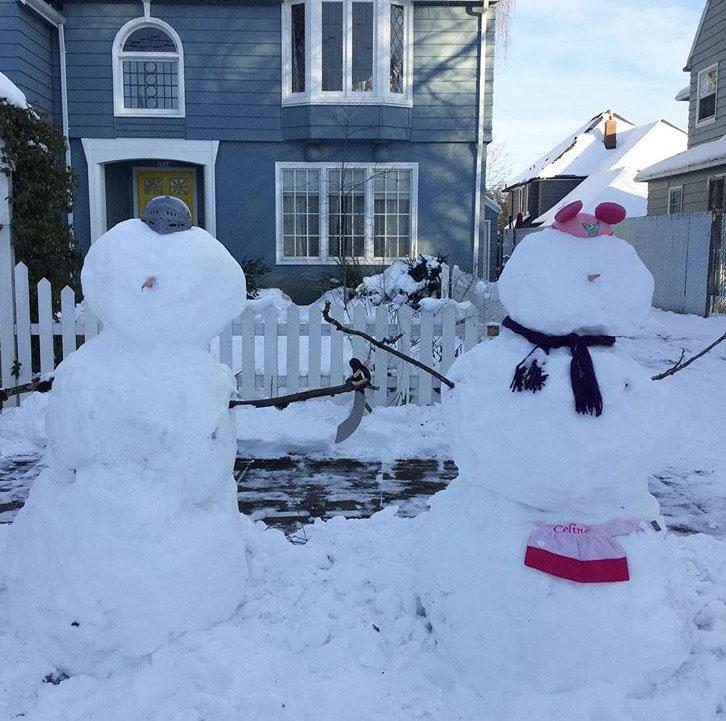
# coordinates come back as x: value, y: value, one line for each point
x: 546, y: 565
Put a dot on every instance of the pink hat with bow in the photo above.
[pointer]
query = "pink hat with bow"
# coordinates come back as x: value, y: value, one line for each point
x: 583, y: 225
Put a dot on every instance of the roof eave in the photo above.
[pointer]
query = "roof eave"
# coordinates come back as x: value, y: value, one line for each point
x: 644, y: 176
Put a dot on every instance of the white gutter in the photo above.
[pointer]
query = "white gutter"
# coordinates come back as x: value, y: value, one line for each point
x: 480, y: 145
x: 52, y: 16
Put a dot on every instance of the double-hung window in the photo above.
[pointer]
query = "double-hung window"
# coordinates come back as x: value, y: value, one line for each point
x: 327, y: 211
x: 148, y: 69
x: 675, y: 199
x: 347, y: 51
x: 707, y: 92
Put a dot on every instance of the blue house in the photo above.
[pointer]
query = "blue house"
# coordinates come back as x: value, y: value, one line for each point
x: 298, y: 132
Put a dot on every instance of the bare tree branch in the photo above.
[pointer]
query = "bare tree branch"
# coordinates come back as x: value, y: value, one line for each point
x: 282, y: 402
x: 42, y: 386
x: 679, y: 365
x: 383, y: 346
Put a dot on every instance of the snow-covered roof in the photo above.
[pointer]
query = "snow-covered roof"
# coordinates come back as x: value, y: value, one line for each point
x: 11, y: 92
x: 615, y: 178
x: 699, y: 157
x: 492, y: 204
x: 579, y: 154
x: 684, y: 93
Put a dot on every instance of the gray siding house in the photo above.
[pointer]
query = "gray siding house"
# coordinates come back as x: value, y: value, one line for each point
x: 694, y: 180
x: 298, y: 131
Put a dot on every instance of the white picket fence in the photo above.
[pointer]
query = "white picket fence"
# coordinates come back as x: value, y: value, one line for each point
x: 270, y: 352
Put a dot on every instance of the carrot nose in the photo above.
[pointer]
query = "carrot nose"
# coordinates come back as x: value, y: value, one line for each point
x: 593, y: 276
x: 149, y: 283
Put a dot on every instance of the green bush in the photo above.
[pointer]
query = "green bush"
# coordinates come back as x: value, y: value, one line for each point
x: 42, y: 195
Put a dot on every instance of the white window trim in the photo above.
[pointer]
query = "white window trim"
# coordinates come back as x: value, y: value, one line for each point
x: 711, y: 119
x: 324, y: 259
x: 100, y: 151
x: 119, y: 56
x: 670, y: 190
x: 381, y: 94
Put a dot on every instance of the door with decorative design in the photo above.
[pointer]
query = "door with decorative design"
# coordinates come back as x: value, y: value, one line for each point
x: 179, y: 182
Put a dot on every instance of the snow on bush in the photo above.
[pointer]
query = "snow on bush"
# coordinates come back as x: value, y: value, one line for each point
x: 404, y: 282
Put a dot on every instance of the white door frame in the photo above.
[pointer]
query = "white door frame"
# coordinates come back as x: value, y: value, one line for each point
x: 100, y: 151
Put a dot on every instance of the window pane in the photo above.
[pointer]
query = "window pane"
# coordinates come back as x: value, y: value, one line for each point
x: 362, y: 46
x: 151, y: 85
x: 149, y: 40
x: 332, y: 45
x: 707, y: 107
x: 392, y: 218
x: 715, y: 194
x: 346, y: 212
x: 300, y: 203
x: 298, y: 48
x: 397, y: 47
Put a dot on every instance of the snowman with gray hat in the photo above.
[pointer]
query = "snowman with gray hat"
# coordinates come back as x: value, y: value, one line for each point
x: 132, y: 534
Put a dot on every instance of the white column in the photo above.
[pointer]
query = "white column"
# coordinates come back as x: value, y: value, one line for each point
x: 7, y: 304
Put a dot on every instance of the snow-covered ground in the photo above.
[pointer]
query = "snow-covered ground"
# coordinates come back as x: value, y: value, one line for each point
x: 333, y: 628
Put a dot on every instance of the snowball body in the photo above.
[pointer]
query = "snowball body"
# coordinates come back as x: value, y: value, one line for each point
x: 132, y: 534
x: 526, y: 458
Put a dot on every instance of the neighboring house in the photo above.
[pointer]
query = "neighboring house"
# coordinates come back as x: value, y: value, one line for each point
x: 297, y: 131
x: 598, y: 162
x: 694, y: 180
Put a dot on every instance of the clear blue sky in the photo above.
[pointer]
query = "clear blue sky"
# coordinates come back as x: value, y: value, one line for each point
x: 570, y: 59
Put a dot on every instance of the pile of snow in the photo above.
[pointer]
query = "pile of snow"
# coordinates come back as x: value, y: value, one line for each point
x: 12, y: 93
x: 132, y: 533
x: 22, y: 429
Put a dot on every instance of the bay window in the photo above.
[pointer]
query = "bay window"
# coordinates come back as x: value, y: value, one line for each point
x: 347, y: 51
x: 325, y: 211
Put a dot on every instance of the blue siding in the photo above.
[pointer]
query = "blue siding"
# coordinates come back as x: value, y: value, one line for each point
x: 246, y: 202
x: 446, y: 49
x: 232, y: 63
x: 232, y: 54
x: 29, y: 56
x: 233, y: 94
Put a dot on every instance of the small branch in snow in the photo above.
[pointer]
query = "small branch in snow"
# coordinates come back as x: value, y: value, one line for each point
x: 383, y: 345
x: 42, y: 386
x: 679, y: 365
x: 281, y: 402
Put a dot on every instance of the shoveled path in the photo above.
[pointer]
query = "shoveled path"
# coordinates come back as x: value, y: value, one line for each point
x: 294, y: 490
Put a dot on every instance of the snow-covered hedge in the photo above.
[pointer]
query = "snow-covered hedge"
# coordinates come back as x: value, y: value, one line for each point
x: 405, y: 282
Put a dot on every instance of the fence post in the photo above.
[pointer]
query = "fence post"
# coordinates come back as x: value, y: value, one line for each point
x: 68, y: 321
x: 22, y: 324
x: 292, y: 364
x: 45, y: 327
x: 7, y: 290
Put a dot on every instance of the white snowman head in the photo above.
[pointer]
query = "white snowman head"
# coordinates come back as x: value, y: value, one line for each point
x: 577, y: 277
x: 178, y: 289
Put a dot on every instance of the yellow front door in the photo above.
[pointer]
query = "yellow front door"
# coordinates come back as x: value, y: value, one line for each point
x: 151, y: 182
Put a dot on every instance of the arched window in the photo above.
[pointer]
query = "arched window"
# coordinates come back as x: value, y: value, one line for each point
x: 347, y: 51
x: 148, y: 70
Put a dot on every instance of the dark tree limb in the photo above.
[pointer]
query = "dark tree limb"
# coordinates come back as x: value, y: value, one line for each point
x: 42, y: 386
x: 283, y: 401
x: 384, y: 346
x: 680, y: 364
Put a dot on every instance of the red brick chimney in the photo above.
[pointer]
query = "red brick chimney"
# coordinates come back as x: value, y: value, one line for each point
x: 611, y: 133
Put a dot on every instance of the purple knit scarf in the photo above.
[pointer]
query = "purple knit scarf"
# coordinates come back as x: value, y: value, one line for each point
x: 529, y: 376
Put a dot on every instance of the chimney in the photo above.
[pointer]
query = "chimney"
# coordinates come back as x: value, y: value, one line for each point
x: 611, y: 133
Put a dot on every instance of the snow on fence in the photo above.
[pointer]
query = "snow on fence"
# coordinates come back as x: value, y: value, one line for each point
x: 271, y: 350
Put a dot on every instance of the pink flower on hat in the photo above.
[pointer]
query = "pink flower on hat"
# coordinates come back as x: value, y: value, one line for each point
x: 583, y: 225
